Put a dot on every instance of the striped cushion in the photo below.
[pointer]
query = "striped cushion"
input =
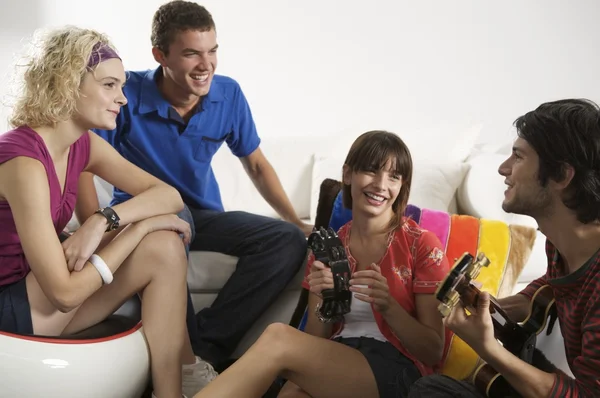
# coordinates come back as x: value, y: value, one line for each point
x: 507, y: 247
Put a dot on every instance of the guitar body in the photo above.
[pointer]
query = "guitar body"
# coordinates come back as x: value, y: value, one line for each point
x: 518, y: 338
x: 488, y: 380
x: 328, y: 248
x: 491, y: 383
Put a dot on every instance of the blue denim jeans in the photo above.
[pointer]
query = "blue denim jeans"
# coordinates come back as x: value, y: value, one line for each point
x: 270, y: 253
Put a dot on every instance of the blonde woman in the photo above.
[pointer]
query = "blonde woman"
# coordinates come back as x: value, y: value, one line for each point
x: 72, y: 84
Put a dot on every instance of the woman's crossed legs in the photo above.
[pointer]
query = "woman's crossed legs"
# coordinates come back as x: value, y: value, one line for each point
x: 156, y: 269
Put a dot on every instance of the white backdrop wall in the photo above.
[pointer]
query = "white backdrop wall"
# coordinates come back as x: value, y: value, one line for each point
x: 325, y: 67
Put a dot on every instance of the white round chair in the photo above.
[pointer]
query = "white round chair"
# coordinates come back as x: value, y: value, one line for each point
x: 109, y: 360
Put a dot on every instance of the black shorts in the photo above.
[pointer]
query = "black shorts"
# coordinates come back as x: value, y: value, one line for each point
x: 393, y: 371
x: 15, y: 313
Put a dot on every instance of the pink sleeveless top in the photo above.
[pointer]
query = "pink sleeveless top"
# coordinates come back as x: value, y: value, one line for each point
x: 23, y: 141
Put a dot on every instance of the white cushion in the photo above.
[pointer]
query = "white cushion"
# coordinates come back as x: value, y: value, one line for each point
x: 441, y: 143
x: 292, y: 161
x: 209, y: 271
x: 537, y: 263
x: 434, y: 185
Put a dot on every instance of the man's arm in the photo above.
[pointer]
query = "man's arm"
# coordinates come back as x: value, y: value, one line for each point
x: 245, y: 144
x: 267, y: 182
x: 517, y: 306
x: 526, y: 379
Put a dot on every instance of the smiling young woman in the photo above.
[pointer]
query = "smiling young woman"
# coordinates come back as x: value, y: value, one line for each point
x: 393, y: 334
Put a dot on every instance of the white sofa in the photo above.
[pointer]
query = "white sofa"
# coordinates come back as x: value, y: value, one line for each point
x: 450, y: 173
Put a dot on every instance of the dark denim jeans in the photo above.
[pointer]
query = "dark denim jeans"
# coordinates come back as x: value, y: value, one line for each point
x: 270, y: 253
x: 441, y: 386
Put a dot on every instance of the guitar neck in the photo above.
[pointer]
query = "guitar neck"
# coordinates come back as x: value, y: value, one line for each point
x: 504, y: 327
x: 470, y: 297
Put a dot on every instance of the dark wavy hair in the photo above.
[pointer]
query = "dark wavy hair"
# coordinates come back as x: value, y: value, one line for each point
x: 567, y: 132
x: 371, y: 151
x: 175, y: 17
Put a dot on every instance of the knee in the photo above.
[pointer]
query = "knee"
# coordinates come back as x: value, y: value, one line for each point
x: 277, y: 330
x: 291, y: 390
x: 276, y: 336
x: 186, y: 215
x: 292, y: 238
x: 297, y: 237
x: 165, y: 250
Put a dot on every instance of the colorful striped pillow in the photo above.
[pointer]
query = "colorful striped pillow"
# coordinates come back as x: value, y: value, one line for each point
x: 507, y: 246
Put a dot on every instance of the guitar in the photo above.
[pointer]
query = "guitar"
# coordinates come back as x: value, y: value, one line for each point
x: 328, y: 248
x: 518, y: 338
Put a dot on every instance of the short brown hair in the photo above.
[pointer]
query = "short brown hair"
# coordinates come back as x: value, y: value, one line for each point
x: 567, y: 132
x: 371, y: 151
x: 175, y: 17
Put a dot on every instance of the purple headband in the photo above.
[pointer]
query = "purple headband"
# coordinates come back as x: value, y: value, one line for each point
x: 101, y: 52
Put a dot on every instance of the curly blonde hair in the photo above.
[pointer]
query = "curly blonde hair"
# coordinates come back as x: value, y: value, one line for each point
x: 54, y: 70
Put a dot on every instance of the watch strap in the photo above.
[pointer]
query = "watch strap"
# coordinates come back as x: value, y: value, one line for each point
x: 111, y: 217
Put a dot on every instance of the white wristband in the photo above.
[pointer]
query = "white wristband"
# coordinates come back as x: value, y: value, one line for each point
x: 102, y: 268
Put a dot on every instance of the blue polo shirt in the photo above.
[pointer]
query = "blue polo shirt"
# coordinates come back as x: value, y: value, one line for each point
x: 152, y: 135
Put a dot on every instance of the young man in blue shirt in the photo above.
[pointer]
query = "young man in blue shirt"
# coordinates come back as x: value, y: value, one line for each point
x: 177, y: 117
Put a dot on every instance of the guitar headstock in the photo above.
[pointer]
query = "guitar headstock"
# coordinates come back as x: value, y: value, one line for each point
x: 452, y: 289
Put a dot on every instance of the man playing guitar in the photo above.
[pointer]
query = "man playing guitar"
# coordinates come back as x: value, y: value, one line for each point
x: 553, y: 175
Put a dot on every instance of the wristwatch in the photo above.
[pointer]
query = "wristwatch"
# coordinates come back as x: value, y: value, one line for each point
x: 111, y: 218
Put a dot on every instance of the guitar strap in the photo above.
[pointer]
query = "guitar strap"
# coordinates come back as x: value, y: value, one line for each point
x: 553, y: 313
x: 552, y: 317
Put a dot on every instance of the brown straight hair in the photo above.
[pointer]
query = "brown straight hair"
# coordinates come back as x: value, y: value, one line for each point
x: 371, y: 151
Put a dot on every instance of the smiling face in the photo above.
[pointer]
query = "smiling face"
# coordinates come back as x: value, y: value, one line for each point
x: 524, y: 193
x: 101, y: 96
x: 377, y: 176
x: 190, y: 63
x: 374, y: 191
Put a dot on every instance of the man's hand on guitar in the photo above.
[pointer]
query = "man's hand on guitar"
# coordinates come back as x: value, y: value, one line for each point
x: 376, y: 290
x: 476, y: 329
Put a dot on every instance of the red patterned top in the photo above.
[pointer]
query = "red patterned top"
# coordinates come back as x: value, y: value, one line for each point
x: 414, y: 263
